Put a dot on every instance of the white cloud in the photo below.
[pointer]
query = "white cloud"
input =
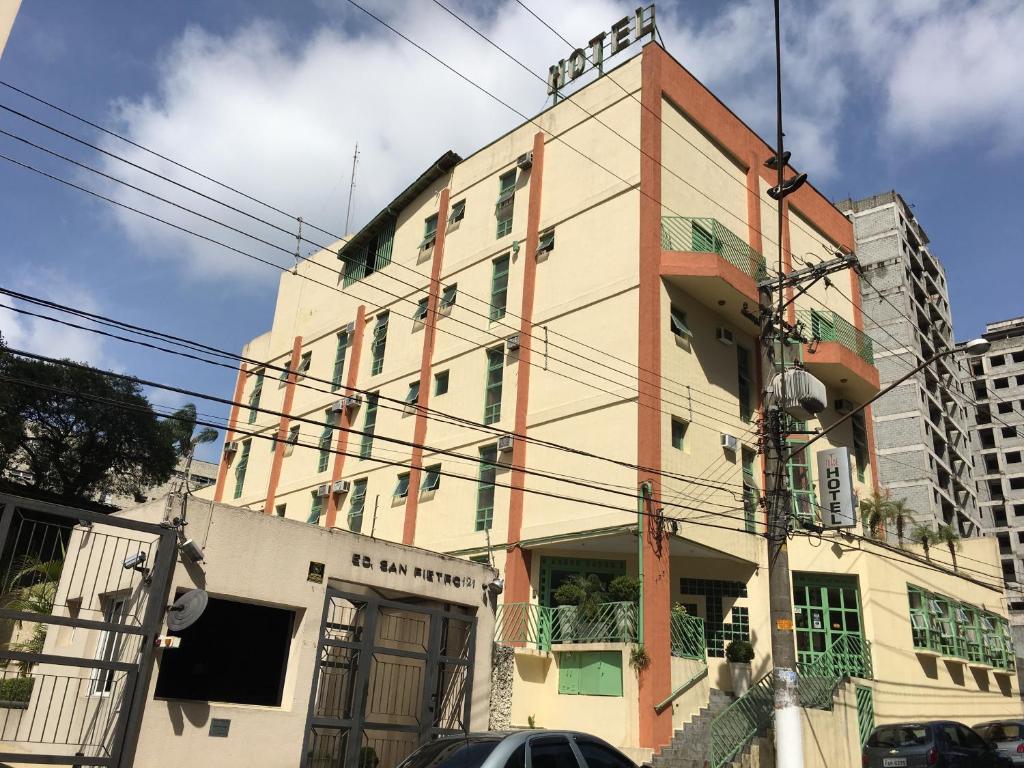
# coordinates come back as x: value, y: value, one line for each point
x: 43, y: 337
x: 278, y: 118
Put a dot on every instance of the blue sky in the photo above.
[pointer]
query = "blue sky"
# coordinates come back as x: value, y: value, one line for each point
x: 920, y: 96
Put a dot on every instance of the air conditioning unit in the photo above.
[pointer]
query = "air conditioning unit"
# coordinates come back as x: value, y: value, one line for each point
x: 337, y: 406
x: 724, y: 335
x: 352, y: 401
x: 505, y: 443
x: 231, y: 446
x: 843, y: 406
x: 525, y: 162
x: 512, y: 342
x: 323, y: 490
x: 805, y: 395
x: 730, y: 442
x: 341, y: 486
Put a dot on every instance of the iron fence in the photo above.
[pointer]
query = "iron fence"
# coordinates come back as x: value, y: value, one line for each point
x: 704, y: 235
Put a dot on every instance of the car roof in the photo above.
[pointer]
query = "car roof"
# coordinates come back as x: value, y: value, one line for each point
x: 1004, y: 721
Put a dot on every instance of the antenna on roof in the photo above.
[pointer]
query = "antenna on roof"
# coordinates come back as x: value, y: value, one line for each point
x: 351, y: 188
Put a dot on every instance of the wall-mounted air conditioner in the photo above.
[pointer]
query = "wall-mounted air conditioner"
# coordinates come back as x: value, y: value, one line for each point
x: 505, y: 443
x: 352, y: 401
x: 231, y: 446
x: 724, y: 335
x: 512, y: 342
x: 730, y: 442
x: 843, y: 406
x: 323, y: 490
x: 341, y: 486
x: 525, y: 161
x: 337, y: 406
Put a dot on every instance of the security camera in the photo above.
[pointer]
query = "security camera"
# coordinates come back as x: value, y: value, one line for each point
x: 192, y: 551
x: 135, y: 562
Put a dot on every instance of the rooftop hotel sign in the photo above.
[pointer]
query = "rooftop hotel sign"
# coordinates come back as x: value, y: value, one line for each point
x: 624, y: 32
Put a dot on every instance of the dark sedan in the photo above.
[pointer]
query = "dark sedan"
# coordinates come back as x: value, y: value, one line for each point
x: 936, y: 744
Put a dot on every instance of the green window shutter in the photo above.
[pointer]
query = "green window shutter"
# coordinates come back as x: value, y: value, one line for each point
x: 492, y: 391
x: 448, y: 296
x: 413, y: 395
x: 243, y: 463
x: 325, y: 446
x: 609, y: 681
x: 380, y: 340
x: 441, y: 383
x: 503, y: 209
x: 499, y: 287
x: 402, y: 486
x: 860, y: 444
x: 678, y: 434
x: 432, y: 479
x: 458, y: 212
x: 743, y: 381
x: 677, y: 323
x: 422, y: 306
x: 316, y: 509
x: 750, y: 503
x: 369, y: 425
x: 356, y: 504
x: 254, y: 398
x: 485, y: 488
x: 568, y: 673
x: 339, y: 361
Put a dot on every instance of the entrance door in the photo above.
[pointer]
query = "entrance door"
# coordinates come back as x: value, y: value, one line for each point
x: 826, y: 609
x: 389, y: 677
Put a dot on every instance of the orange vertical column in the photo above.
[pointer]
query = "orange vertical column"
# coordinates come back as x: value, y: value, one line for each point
x: 655, y: 682
x: 226, y: 459
x: 345, y: 421
x: 517, y: 561
x: 419, y: 432
x: 282, y: 429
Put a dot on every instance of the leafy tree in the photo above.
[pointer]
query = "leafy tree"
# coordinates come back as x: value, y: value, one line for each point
x: 75, y: 445
x: 181, y: 427
x: 624, y: 589
x: 585, y: 592
x: 946, y: 534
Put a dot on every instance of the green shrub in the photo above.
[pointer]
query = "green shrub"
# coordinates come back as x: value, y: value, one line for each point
x: 16, y: 689
x: 624, y: 589
x: 739, y: 652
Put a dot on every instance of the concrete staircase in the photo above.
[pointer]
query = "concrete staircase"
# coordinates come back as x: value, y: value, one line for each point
x: 690, y: 745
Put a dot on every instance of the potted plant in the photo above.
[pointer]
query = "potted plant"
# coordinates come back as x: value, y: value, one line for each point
x: 739, y: 653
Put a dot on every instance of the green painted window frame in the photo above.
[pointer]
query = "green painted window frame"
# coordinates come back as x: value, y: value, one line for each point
x: 413, y: 395
x: 402, y: 486
x: 324, y: 444
x: 505, y: 207
x: 448, y: 296
x: 581, y: 565
x: 677, y: 323
x: 356, y: 505
x: 339, y: 361
x: 255, y: 395
x: 422, y: 307
x: 743, y: 382
x: 499, y: 287
x: 750, y: 490
x: 493, y: 384
x: 441, y: 381
x: 429, y: 231
x: 930, y: 612
x: 835, y: 601
x: 860, y: 444
x: 590, y: 673
x: 804, y: 503
x: 305, y: 362
x: 546, y: 241
x: 369, y: 425
x: 370, y: 257
x: 431, y: 478
x: 458, y: 212
x: 485, y: 488
x: 379, y: 344
x: 678, y: 433
x: 240, y: 468
x: 316, y: 509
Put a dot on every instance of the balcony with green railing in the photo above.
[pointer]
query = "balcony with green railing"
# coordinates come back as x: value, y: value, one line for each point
x: 687, y: 636
x: 825, y: 325
x: 690, y: 234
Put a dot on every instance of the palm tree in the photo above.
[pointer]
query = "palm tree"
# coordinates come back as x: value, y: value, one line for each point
x: 948, y: 536
x: 899, y: 513
x: 874, y: 511
x: 32, y: 588
x: 182, y: 426
x: 924, y: 536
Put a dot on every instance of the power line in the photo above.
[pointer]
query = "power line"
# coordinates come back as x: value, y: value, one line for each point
x: 403, y: 464
x: 403, y: 405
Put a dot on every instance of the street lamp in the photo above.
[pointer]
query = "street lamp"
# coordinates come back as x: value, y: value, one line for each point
x: 974, y: 347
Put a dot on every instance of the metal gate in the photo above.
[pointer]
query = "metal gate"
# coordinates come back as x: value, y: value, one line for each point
x: 390, y: 675
x: 81, y: 599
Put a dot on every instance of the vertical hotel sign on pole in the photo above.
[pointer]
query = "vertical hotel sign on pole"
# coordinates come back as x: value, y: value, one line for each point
x: 836, y: 481
x: 624, y: 33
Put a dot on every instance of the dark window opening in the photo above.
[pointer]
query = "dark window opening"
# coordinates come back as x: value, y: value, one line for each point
x: 235, y: 653
x: 1017, y: 483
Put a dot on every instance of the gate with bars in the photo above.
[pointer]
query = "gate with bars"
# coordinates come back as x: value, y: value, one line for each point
x: 81, y: 600
x: 390, y: 675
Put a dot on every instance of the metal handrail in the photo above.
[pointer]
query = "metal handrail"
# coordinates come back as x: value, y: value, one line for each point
x: 692, y: 234
x: 543, y: 626
x: 687, y: 636
x: 825, y: 325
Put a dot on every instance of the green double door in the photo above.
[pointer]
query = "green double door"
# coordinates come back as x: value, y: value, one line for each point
x: 826, y: 610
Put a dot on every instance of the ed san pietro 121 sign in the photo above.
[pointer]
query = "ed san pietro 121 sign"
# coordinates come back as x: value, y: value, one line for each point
x: 624, y: 32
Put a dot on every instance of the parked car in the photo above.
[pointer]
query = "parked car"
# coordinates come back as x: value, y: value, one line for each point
x: 1007, y: 736
x: 936, y: 744
x: 508, y: 749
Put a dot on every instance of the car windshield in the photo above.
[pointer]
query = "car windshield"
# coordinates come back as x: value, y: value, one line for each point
x: 899, y: 736
x: 1003, y: 732
x: 451, y: 753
